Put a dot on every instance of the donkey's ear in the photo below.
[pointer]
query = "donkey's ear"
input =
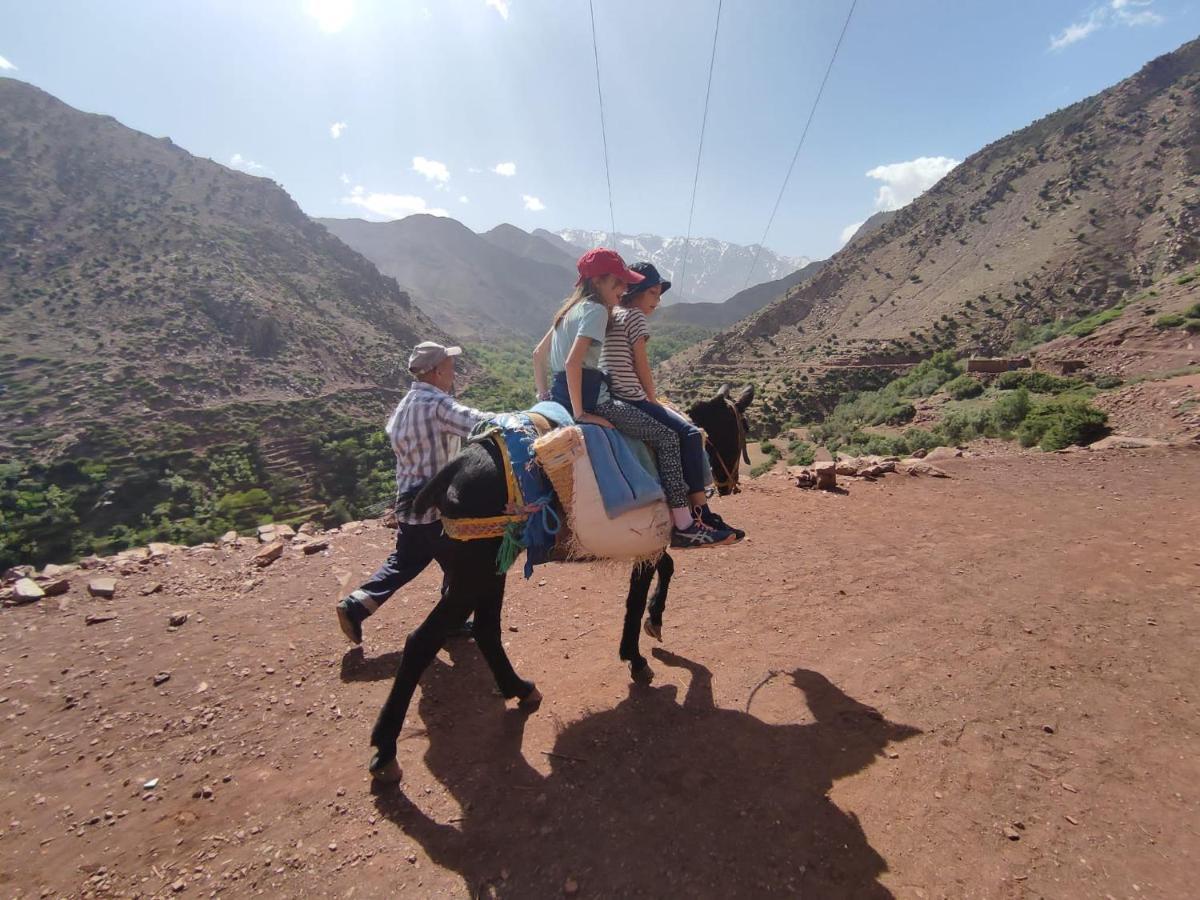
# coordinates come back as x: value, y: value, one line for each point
x: 723, y: 393
x: 745, y: 398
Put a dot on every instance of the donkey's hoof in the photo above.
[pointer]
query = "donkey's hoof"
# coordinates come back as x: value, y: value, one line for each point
x: 384, y: 770
x: 530, y: 701
x: 653, y: 629
x: 640, y: 671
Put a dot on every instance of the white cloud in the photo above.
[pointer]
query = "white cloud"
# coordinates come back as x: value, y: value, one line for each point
x: 500, y: 6
x: 848, y: 231
x: 336, y: 129
x: 6, y: 66
x: 389, y: 206
x: 464, y: 199
x: 533, y: 204
x: 331, y: 15
x: 1129, y: 13
x: 431, y: 169
x: 344, y: 178
x: 904, y: 181
x: 507, y: 169
x: 473, y: 170
x: 238, y: 161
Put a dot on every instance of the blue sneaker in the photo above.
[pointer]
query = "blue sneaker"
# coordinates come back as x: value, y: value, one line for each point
x: 699, y: 535
x: 714, y: 520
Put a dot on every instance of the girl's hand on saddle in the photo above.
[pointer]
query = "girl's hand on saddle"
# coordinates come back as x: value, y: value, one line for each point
x: 592, y: 419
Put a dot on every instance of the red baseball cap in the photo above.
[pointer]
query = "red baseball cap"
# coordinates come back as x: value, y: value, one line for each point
x: 602, y: 261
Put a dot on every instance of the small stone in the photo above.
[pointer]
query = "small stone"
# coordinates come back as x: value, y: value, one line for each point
x: 316, y: 546
x: 412, y: 858
x: 98, y: 618
x: 268, y: 554
x: 102, y: 587
x: 1011, y: 833
x: 206, y: 792
x: 332, y: 846
x: 570, y: 887
x: 177, y: 618
x: 891, y: 754
x: 162, y: 678
x: 150, y: 785
x: 153, y: 587
x: 26, y: 590
x: 1049, y: 729
x: 56, y: 586
x: 178, y: 886
x: 229, y: 537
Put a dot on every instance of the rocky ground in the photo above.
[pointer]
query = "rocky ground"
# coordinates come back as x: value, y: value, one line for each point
x: 977, y: 686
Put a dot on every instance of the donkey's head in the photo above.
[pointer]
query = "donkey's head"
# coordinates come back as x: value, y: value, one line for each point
x: 724, y: 421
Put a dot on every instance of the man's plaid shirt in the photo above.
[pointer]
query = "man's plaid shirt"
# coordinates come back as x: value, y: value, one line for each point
x: 426, y: 431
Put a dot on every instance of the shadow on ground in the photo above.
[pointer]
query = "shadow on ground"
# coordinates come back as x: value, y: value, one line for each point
x: 655, y: 797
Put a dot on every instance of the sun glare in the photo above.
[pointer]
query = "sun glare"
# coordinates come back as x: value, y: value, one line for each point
x: 331, y: 15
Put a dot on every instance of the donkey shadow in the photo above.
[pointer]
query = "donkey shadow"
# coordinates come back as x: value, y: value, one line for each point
x: 651, y: 798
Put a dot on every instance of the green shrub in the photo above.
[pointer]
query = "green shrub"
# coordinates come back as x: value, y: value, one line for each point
x: 1010, y: 409
x: 961, y: 425
x: 1092, y: 322
x: 1038, y: 382
x: 1170, y: 320
x: 1185, y: 279
x: 920, y: 439
x: 964, y: 387
x: 1062, y: 422
x: 800, y: 453
x: 1106, y: 382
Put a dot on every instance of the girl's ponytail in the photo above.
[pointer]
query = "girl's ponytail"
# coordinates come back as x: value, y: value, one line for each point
x: 583, y: 291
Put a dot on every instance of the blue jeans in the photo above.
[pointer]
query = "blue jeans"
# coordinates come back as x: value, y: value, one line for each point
x: 691, y: 441
x: 416, y: 547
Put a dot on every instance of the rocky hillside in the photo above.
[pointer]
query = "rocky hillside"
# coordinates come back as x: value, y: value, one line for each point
x: 151, y: 303
x: 1052, y: 223
x: 716, y: 270
x: 505, y: 281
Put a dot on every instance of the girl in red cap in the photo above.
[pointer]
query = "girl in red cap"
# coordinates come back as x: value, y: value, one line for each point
x: 566, y: 367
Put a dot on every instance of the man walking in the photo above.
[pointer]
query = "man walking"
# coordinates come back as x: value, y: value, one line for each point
x: 426, y: 431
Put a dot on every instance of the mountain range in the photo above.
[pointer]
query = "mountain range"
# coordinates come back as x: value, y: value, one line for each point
x: 1055, y: 221
x: 715, y: 271
x: 508, y: 281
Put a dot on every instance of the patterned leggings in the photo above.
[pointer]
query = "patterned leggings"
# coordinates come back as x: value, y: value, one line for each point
x: 662, y: 440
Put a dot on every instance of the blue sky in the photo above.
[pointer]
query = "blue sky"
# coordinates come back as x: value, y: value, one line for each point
x: 487, y: 109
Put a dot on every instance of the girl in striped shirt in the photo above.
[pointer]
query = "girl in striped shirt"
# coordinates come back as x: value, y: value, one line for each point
x: 625, y: 360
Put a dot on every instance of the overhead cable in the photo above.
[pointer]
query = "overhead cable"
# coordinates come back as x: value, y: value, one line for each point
x: 812, y: 112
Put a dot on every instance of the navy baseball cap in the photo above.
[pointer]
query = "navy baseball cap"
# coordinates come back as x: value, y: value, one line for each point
x: 650, y: 278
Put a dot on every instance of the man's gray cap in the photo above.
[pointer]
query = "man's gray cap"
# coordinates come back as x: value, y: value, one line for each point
x: 428, y: 354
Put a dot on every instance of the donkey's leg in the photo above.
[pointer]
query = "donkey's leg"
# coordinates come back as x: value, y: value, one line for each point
x: 419, y: 650
x: 488, y: 589
x: 658, y: 601
x: 635, y: 606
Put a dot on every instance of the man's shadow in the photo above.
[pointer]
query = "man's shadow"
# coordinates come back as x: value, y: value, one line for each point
x: 651, y: 798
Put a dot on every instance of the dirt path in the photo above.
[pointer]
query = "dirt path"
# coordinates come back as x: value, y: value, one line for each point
x: 979, y: 687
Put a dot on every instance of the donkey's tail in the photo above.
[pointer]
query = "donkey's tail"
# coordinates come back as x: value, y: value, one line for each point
x: 434, y: 491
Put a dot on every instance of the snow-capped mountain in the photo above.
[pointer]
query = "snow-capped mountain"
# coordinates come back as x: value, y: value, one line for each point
x: 716, y: 270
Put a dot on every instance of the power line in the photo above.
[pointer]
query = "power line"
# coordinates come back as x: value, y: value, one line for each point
x: 612, y: 219
x: 700, y: 150
x: 803, y: 135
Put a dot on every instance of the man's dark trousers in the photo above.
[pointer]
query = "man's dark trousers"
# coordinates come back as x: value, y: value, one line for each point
x: 416, y: 547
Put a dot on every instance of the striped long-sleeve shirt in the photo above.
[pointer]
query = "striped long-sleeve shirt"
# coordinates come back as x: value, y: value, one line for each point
x: 426, y: 431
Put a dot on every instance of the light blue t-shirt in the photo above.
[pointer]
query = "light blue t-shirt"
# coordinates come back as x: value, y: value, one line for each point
x: 588, y: 318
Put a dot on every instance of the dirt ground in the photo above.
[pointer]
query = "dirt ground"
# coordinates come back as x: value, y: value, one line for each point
x: 984, y: 686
